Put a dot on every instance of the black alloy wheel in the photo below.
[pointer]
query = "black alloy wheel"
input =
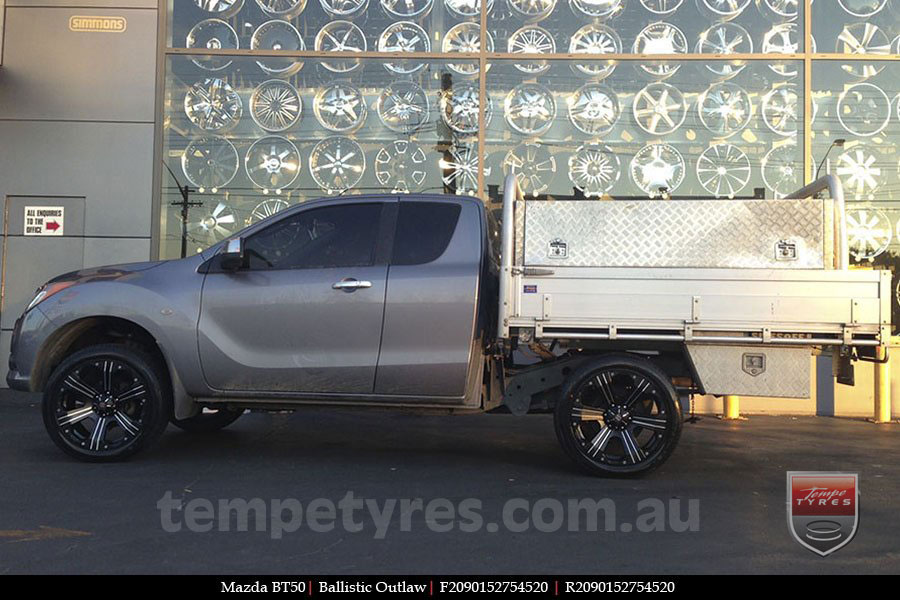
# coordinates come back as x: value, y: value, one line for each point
x: 618, y: 415
x: 105, y: 402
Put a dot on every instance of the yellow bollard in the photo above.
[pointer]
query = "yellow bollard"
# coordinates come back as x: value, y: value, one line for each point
x: 882, y: 388
x: 731, y: 409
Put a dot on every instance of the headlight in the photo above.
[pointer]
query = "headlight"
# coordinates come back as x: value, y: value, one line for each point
x: 48, y: 290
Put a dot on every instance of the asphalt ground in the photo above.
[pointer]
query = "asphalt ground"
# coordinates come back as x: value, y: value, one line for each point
x: 58, y: 515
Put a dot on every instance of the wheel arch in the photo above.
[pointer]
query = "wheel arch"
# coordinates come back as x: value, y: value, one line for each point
x: 103, y: 329
x: 535, y: 388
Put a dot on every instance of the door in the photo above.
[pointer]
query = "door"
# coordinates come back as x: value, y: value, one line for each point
x: 432, y: 300
x: 305, y: 314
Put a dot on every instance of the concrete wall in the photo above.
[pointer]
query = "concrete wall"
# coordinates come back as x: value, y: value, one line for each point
x: 77, y: 113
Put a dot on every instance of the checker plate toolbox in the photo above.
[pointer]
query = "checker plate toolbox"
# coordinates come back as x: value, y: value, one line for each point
x: 741, y: 273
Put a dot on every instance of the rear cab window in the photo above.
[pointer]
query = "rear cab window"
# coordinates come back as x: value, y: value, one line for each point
x: 424, y: 230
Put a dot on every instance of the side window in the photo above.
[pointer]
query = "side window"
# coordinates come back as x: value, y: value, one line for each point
x: 423, y: 232
x: 332, y: 236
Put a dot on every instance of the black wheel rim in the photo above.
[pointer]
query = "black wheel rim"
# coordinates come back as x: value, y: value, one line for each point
x: 619, y: 419
x: 99, y: 406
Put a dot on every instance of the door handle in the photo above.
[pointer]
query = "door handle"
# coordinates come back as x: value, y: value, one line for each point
x: 350, y: 284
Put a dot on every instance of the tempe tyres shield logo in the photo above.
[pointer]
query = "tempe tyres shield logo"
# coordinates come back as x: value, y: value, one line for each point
x: 822, y: 509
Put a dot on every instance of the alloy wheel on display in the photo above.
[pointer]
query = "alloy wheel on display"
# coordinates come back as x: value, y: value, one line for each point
x: 401, y: 166
x: 597, y: 9
x: 723, y: 170
x: 532, y: 10
x: 275, y: 105
x: 725, y: 38
x: 723, y: 10
x: 465, y: 38
x: 863, y: 39
x: 863, y: 9
x: 859, y: 171
x: 407, y: 9
x: 212, y: 34
x: 403, y: 106
x: 660, y: 38
x: 782, y: 38
x: 460, y: 106
x: 213, y: 105
x: 782, y: 169
x: 282, y: 9
x: 595, y: 39
x: 404, y: 36
x: 209, y: 163
x: 658, y: 169
x: 221, y: 8
x: 863, y: 109
x: 341, y: 36
x: 778, y: 10
x: 272, y: 163
x: 869, y: 233
x: 267, y: 208
x: 532, y: 39
x: 781, y: 110
x: 213, y: 225
x: 533, y: 166
x: 593, y: 109
x: 659, y: 108
x: 662, y: 7
x: 344, y: 9
x: 467, y: 8
x: 725, y: 109
x: 278, y: 35
x: 460, y: 169
x: 529, y: 109
x: 594, y: 169
x: 340, y: 107
x: 337, y: 164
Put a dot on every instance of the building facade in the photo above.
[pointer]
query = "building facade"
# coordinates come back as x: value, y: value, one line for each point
x: 114, y: 109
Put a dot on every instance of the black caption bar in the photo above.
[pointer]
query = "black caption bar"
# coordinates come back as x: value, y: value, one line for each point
x: 418, y: 586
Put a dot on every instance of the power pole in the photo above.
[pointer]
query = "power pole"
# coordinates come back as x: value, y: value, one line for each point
x: 185, y: 204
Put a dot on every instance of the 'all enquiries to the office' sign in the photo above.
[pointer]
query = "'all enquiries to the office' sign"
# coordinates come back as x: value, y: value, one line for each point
x: 44, y: 220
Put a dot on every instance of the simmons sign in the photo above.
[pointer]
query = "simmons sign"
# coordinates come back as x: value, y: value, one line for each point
x: 97, y: 24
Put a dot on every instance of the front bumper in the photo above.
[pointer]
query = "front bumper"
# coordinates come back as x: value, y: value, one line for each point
x: 14, y: 379
x: 29, y: 334
x: 17, y: 381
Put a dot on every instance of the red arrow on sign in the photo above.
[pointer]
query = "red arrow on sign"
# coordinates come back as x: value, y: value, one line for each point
x: 52, y: 225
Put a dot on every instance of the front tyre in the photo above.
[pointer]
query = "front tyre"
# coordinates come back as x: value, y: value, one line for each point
x: 618, y: 416
x: 106, y: 402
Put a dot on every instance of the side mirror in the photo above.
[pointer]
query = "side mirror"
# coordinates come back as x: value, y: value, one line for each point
x: 232, y: 256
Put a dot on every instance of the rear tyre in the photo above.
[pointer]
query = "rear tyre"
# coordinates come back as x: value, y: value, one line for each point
x: 618, y: 416
x: 106, y: 402
x: 208, y: 420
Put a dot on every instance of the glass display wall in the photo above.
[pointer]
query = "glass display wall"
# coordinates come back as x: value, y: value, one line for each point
x: 268, y: 103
